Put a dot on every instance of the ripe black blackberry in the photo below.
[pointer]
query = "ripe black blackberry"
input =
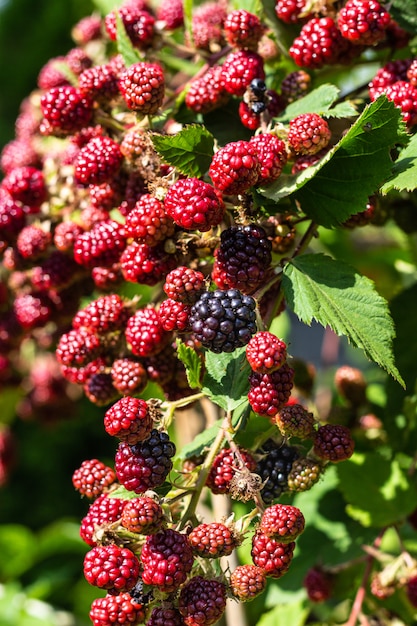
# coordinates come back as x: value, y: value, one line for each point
x: 223, y: 320
x: 146, y: 464
x: 274, y: 467
x: 243, y: 258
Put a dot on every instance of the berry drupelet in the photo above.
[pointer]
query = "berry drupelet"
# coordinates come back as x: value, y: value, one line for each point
x: 223, y: 320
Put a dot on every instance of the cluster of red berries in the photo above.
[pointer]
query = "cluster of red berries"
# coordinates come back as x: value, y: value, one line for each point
x: 90, y: 210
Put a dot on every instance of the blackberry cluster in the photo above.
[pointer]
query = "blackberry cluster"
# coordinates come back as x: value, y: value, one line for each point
x: 273, y: 467
x: 223, y: 320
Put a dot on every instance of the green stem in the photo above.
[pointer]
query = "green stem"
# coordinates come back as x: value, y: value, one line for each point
x: 204, y: 472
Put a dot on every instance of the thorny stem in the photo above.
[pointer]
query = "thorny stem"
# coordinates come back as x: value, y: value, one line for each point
x: 361, y: 592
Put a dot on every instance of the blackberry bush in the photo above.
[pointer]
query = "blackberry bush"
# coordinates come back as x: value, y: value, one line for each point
x: 188, y: 188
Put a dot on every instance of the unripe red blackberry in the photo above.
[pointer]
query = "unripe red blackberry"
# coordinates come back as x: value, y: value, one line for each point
x: 184, y: 284
x: 247, y: 582
x: 105, y: 314
x: 235, y: 167
x: 265, y: 352
x: 363, y: 22
x: 202, y: 601
x: 146, y: 265
x: 243, y: 258
x: 50, y: 75
x: 12, y: 218
x: 308, y: 133
x: 145, y: 465
x: 295, y: 421
x: 26, y: 185
x: 207, y: 25
x: 167, y: 559
x: 292, y: 11
x: 351, y: 384
x: 239, y: 69
x: 148, y: 222
x: 65, y: 234
x: 145, y: 334
x: 138, y: 22
x: 93, y: 477
x: 142, y: 515
x: 273, y: 556
x: 269, y: 392
x: 318, y: 585
x: 304, y: 474
x: 66, y: 109
x: 171, y: 13
x: 18, y: 153
x: 194, y: 204
x: 129, y: 420
x: 223, y: 320
x: 333, y: 442
x: 174, y: 315
x: 115, y: 610
x: 57, y: 271
x: 98, y: 161
x: 142, y: 86
x: 274, y: 466
x: 102, y: 512
x: 225, y: 466
x: 129, y: 376
x: 389, y: 74
x: 110, y: 567
x: 78, y: 60
x: 78, y: 347
x: 207, y: 93
x: 100, y: 246
x: 404, y: 96
x: 80, y: 375
x: 212, y: 540
x: 168, y: 616
x: 272, y: 155
x: 282, y: 522
x: 33, y: 242
x: 243, y: 29
x: 87, y: 29
x: 319, y: 43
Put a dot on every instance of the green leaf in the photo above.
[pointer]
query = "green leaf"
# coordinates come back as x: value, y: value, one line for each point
x: 226, y: 380
x: 319, y: 101
x: 19, y: 548
x: 360, y: 162
x: 334, y: 294
x: 125, y: 47
x: 405, y: 13
x: 123, y: 494
x: 190, y: 150
x: 377, y: 490
x: 404, y: 171
x: 225, y: 123
x: 192, y: 363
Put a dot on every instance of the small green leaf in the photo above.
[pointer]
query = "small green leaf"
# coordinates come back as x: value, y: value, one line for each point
x: 192, y: 363
x: 190, y: 150
x: 319, y: 101
x: 360, y: 162
x: 336, y: 295
x: 226, y: 380
x: 404, y: 171
x: 125, y: 47
x: 123, y: 494
x: 377, y: 490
